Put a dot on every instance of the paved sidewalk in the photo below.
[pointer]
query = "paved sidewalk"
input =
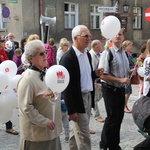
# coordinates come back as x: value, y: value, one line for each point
x: 129, y: 135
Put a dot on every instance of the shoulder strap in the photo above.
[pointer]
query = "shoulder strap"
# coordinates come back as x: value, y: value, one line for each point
x: 110, y: 57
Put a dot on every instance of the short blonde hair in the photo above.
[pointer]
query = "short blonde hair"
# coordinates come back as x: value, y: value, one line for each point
x: 51, y: 41
x: 64, y: 42
x: 126, y: 43
x: 33, y: 37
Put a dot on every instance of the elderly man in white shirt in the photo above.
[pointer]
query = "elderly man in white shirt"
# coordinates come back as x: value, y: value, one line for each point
x: 96, y: 46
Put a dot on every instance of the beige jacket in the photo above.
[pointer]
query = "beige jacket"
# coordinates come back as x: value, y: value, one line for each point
x: 35, y: 109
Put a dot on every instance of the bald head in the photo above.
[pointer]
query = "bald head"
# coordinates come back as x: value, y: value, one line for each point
x: 96, y: 45
x: 11, y: 37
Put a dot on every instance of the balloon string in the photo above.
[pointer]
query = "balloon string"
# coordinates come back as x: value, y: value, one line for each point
x: 20, y: 67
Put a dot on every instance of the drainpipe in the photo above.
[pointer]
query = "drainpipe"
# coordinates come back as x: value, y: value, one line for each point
x: 112, y: 2
x: 41, y: 25
x: 41, y: 7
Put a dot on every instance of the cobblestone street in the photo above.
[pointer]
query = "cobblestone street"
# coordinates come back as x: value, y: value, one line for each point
x: 129, y: 134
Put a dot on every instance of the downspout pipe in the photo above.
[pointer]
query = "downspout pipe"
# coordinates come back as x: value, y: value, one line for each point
x: 112, y: 2
x: 41, y: 11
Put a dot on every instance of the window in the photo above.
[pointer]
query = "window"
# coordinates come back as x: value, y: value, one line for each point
x: 95, y: 17
x: 1, y: 22
x: 71, y: 18
x: 137, y: 19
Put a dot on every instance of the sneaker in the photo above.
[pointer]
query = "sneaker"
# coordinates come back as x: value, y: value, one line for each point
x: 66, y: 139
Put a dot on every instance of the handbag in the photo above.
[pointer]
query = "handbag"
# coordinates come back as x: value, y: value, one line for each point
x: 135, y: 79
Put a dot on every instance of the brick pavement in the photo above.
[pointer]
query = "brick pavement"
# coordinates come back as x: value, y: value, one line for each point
x: 129, y: 135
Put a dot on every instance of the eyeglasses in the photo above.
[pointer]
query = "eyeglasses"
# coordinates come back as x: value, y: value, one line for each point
x: 42, y: 53
x: 1, y: 41
x: 86, y: 36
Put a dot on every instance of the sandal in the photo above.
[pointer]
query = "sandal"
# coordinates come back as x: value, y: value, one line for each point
x: 127, y: 110
x: 12, y: 131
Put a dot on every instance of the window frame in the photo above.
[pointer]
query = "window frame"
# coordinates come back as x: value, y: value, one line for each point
x: 95, y: 14
x: 137, y: 19
x: 69, y: 14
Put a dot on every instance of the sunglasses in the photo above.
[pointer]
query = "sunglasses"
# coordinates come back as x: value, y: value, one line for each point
x: 86, y: 36
x: 2, y: 41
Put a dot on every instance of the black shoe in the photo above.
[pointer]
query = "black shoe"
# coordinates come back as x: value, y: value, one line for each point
x: 101, y: 147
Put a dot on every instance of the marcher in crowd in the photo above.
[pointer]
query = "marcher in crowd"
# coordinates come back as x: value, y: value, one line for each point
x: 49, y: 55
x: 79, y: 95
x: 95, y: 52
x: 32, y: 37
x: 23, y: 43
x: 141, y: 59
x: 54, y: 47
x: 63, y: 47
x: 11, y: 38
x: 127, y: 46
x: 17, y: 60
x: 3, y: 57
x: 15, y: 45
x: 114, y: 79
x: 145, y: 145
x: 37, y: 129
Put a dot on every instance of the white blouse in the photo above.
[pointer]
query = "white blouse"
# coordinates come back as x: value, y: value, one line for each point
x: 146, y: 67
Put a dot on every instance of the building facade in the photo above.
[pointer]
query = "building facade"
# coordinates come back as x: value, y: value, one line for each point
x: 25, y: 15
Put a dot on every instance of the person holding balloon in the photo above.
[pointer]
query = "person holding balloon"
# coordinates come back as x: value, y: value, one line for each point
x: 114, y: 80
x: 79, y: 94
x: 3, y: 57
x: 145, y: 145
x: 39, y: 128
x: 140, y: 61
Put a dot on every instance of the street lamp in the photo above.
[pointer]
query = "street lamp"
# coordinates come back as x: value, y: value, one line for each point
x: 125, y: 7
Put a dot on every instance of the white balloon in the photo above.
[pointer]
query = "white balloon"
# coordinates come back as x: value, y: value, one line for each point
x: 57, y: 78
x: 8, y: 45
x: 110, y: 26
x: 9, y: 68
x: 14, y: 81
x: 8, y: 100
x: 23, y: 59
x: 5, y: 115
x: 140, y: 71
x: 4, y: 81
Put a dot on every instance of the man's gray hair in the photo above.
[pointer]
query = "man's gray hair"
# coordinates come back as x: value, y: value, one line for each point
x: 77, y: 30
x: 32, y: 47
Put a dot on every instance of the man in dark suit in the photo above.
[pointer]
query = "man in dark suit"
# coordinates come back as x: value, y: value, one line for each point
x: 79, y: 95
x: 15, y: 45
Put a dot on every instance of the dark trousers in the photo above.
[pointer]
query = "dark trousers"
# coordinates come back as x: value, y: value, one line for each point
x: 114, y: 99
x: 8, y: 125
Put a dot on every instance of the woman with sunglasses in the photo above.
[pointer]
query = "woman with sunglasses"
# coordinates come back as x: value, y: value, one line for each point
x: 3, y: 57
x: 37, y: 129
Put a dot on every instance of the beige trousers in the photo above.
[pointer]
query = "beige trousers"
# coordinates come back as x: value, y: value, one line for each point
x: 43, y: 145
x: 79, y: 134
